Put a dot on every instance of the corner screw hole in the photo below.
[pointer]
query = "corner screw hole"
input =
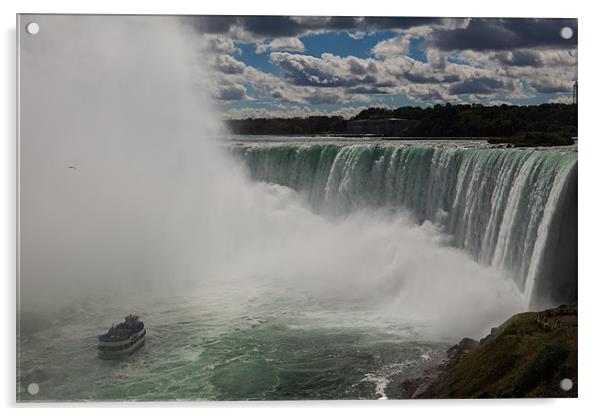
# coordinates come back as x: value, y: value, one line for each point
x: 566, y: 32
x: 566, y: 384
x: 33, y: 388
x: 32, y: 28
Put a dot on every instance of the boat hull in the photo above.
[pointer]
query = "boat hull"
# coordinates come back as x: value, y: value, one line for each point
x: 109, y: 350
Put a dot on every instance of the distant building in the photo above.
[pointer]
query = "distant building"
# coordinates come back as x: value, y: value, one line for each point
x: 575, y: 93
x: 378, y: 126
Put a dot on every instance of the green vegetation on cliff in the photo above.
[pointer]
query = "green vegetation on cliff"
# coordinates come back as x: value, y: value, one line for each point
x: 527, y: 356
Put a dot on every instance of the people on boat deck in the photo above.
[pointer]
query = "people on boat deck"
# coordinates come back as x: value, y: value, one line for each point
x: 131, y: 323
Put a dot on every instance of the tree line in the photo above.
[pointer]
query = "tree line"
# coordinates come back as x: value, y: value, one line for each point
x: 554, y: 123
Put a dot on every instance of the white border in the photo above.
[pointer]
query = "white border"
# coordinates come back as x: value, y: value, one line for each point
x: 590, y: 152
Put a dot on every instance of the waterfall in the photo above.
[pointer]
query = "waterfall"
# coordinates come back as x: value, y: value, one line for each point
x: 503, y: 206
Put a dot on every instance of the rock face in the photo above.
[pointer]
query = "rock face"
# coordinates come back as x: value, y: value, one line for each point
x: 416, y: 388
x: 527, y: 356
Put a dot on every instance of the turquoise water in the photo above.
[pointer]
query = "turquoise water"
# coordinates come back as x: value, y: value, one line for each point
x: 223, y: 344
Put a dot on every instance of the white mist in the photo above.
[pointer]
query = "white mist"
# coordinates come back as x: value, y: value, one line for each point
x: 156, y: 204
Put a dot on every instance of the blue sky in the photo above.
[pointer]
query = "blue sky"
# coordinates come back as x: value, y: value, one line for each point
x: 280, y: 66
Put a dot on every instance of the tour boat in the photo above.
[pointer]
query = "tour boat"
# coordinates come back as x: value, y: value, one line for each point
x: 122, y: 339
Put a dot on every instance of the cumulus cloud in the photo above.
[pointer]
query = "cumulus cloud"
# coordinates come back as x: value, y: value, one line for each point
x: 544, y: 71
x: 274, y: 87
x: 487, y: 60
x: 399, y: 45
x: 430, y: 93
x: 549, y: 85
x: 230, y: 92
x: 436, y: 59
x: 432, y: 81
x: 220, y: 44
x: 477, y: 85
x: 229, y: 65
x: 537, y: 58
x: 520, y: 57
x: 326, y: 71
x: 281, y: 44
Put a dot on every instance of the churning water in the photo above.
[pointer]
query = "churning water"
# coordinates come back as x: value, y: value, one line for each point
x: 204, y: 346
x: 496, y: 204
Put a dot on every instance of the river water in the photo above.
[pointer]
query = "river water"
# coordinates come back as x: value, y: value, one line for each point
x: 275, y: 334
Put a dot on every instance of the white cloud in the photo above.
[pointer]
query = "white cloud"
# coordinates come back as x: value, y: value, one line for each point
x: 499, y: 102
x: 561, y: 99
x: 326, y: 71
x: 397, y: 46
x: 331, y: 79
x: 230, y: 92
x: 290, y: 112
x: 281, y: 44
x: 358, y: 34
x: 220, y: 44
x: 436, y: 59
x: 312, y: 20
x: 229, y: 65
x: 551, y: 84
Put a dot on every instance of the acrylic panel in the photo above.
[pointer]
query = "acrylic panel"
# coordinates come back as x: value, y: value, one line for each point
x: 296, y: 208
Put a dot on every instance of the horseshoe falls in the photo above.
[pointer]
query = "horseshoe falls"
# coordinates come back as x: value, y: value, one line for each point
x: 513, y: 209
